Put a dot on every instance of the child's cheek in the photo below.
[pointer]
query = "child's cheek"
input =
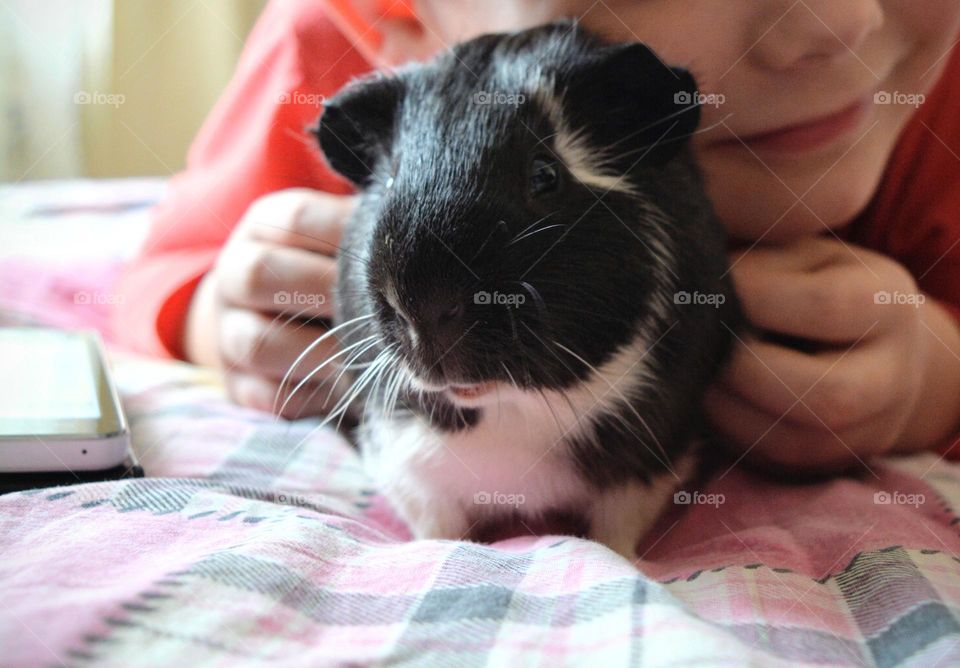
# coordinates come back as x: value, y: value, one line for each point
x: 455, y: 21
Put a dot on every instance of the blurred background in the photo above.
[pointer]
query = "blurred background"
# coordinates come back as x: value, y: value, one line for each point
x: 111, y: 88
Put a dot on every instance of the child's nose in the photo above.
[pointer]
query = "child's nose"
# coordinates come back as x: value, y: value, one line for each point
x: 793, y: 33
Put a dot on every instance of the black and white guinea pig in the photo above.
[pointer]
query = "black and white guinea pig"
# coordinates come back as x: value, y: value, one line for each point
x: 532, y: 291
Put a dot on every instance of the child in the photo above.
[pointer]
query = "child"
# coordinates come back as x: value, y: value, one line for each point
x: 833, y: 158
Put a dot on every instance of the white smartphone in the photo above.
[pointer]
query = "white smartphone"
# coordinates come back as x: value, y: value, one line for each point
x: 59, y: 409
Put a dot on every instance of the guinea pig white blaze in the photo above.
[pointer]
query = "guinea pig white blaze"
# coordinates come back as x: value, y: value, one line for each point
x: 511, y: 286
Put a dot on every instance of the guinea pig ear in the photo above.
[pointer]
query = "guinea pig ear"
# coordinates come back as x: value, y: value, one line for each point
x: 356, y: 126
x: 627, y: 99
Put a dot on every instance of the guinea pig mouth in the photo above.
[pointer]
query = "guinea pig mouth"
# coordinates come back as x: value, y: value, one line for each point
x: 471, y: 391
x: 463, y: 391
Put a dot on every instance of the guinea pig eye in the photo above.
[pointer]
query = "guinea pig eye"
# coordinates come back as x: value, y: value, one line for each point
x: 544, y: 175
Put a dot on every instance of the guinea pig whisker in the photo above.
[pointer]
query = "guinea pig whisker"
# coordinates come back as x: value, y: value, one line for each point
x: 577, y: 414
x: 355, y: 391
x: 530, y: 227
x: 349, y: 366
x: 499, y: 405
x: 513, y: 326
x: 537, y: 297
x: 381, y: 374
x: 393, y: 388
x: 388, y: 376
x: 286, y: 322
x: 543, y: 139
x: 667, y: 141
x: 623, y: 422
x: 562, y: 392
x: 321, y: 385
x: 320, y: 340
x: 317, y: 342
x: 556, y: 418
x: 626, y: 402
x: 389, y: 367
x: 538, y: 231
x: 306, y: 379
x: 510, y: 375
x: 501, y: 225
x: 375, y: 390
x: 402, y: 384
x: 344, y: 403
x: 293, y: 317
x: 653, y: 124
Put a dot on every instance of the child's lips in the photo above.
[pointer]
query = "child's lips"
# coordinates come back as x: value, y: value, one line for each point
x: 810, y: 135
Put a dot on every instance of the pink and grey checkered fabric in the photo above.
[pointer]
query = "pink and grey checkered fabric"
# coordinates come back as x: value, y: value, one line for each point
x: 255, y: 541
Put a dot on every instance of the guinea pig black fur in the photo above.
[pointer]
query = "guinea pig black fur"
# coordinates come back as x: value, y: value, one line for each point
x: 533, y: 291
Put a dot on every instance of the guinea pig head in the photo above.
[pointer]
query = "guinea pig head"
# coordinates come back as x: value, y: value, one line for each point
x: 509, y: 227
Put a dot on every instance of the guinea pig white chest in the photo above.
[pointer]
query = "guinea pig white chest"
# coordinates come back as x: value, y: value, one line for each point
x: 511, y: 462
x: 513, y: 467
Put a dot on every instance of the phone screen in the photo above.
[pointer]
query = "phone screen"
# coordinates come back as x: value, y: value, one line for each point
x: 47, y: 375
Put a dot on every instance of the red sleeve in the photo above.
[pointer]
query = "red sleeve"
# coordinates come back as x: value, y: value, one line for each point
x: 915, y: 216
x: 252, y: 143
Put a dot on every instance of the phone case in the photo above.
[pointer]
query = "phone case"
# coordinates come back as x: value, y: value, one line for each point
x: 19, y: 482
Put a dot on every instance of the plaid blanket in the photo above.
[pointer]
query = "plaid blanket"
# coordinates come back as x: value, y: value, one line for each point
x: 260, y: 541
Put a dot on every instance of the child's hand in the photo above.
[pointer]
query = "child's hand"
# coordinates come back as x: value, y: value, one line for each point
x: 262, y: 304
x: 858, y: 392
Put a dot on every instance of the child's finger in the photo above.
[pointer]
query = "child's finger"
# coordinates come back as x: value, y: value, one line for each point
x: 801, y: 256
x: 776, y: 441
x: 278, y: 279
x: 834, y: 305
x: 300, y: 219
x: 254, y: 342
x: 265, y: 394
x: 836, y: 388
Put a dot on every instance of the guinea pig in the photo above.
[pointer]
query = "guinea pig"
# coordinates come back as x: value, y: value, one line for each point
x: 532, y: 291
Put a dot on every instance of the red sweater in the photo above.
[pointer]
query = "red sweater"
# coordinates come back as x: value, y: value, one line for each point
x: 254, y: 142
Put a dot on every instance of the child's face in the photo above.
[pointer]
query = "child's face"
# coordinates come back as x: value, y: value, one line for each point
x: 816, y: 66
